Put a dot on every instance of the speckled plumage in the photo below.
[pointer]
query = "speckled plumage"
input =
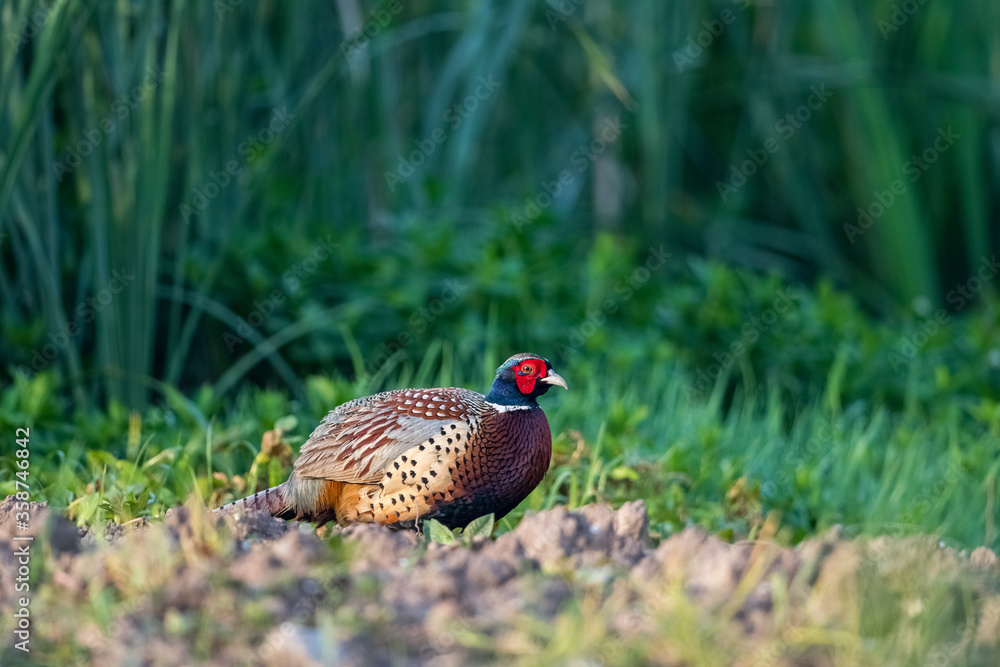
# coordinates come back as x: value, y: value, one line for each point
x: 397, y: 457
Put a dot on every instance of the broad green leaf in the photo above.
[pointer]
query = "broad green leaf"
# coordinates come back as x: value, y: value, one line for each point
x: 481, y: 526
x: 438, y: 532
x: 287, y: 423
x: 143, y: 499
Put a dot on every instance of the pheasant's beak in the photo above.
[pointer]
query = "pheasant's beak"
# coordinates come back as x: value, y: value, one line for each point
x: 554, y: 378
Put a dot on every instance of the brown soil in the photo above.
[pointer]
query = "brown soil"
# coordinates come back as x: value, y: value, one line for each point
x: 250, y: 589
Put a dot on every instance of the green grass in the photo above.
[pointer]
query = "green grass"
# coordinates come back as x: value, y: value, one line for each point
x: 748, y: 466
x: 221, y: 72
x: 870, y: 400
x: 806, y: 439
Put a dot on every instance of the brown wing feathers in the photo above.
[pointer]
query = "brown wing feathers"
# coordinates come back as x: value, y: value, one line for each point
x: 357, y: 441
x: 362, y: 462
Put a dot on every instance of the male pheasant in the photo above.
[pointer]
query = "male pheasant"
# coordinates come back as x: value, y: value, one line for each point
x: 401, y: 456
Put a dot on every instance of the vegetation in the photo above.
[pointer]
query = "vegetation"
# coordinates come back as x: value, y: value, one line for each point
x: 195, y: 156
x: 817, y: 419
x: 756, y: 239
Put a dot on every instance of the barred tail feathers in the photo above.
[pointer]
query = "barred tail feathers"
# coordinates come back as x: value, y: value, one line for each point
x: 274, y: 501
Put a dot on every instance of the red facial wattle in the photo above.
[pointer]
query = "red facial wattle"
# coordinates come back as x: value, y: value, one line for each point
x: 527, y: 375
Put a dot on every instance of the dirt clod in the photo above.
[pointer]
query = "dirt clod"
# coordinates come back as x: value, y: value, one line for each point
x: 277, y: 594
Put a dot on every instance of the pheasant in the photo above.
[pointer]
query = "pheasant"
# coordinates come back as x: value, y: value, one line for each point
x: 401, y: 456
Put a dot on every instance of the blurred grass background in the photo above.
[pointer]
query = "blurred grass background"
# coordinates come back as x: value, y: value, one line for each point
x: 215, y: 216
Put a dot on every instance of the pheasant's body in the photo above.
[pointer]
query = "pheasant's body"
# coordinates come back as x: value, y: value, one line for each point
x: 401, y: 456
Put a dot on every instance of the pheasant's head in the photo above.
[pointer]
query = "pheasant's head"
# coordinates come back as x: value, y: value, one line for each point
x: 521, y: 379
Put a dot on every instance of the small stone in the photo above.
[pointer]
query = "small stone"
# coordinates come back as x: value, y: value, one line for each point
x: 293, y: 645
x: 983, y: 558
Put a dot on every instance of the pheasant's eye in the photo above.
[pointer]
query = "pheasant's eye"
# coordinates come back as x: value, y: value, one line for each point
x: 527, y: 369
